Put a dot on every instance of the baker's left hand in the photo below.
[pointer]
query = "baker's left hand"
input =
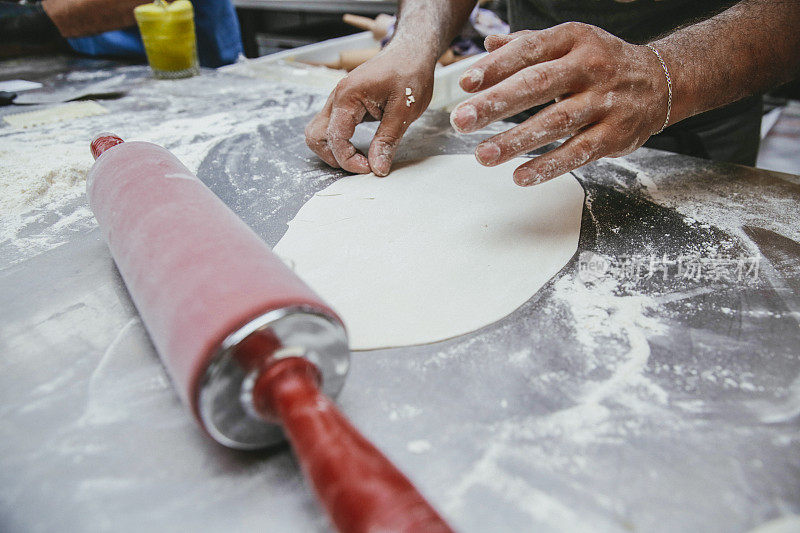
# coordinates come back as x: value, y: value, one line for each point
x: 609, y: 97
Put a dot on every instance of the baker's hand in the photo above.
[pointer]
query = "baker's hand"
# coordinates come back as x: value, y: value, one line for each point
x: 378, y: 89
x: 609, y: 97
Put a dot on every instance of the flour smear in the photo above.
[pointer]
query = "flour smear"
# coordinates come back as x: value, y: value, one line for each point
x: 43, y: 176
x: 565, y: 438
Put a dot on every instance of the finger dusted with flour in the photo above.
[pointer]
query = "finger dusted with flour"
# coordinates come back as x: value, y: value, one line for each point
x: 605, y: 94
x: 608, y: 96
x: 394, y: 87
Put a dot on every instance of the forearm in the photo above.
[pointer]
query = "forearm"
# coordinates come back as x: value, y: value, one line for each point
x: 89, y: 17
x: 427, y: 27
x: 744, y: 50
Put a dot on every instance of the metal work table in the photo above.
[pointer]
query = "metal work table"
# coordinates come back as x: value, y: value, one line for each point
x: 620, y: 397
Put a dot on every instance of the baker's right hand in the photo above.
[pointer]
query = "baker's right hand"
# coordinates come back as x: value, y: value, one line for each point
x: 378, y: 89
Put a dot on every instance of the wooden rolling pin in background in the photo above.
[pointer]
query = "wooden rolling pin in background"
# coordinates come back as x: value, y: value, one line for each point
x: 350, y: 59
x: 379, y: 26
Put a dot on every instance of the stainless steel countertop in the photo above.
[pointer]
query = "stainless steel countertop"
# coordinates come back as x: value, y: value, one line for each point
x: 616, y: 404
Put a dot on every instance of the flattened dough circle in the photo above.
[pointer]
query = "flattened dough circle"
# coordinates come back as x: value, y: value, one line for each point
x: 441, y: 247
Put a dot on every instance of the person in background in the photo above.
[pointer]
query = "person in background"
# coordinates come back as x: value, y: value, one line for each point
x: 679, y: 75
x: 107, y: 28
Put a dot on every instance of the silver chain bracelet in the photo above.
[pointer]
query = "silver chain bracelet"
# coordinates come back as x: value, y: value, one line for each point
x: 669, y: 87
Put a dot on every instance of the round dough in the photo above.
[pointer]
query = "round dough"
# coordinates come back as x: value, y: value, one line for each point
x: 441, y: 247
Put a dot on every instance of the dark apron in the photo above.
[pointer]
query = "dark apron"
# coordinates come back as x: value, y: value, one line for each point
x: 730, y: 133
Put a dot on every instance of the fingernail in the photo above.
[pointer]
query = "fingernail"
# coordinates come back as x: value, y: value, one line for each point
x: 361, y: 162
x: 464, y: 117
x: 382, y: 165
x: 471, y: 79
x: 528, y: 178
x: 487, y: 153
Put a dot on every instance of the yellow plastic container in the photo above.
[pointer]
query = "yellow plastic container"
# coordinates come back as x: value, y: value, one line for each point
x: 169, y: 40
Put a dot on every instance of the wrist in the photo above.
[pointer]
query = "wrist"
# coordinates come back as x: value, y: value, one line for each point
x: 683, y: 92
x: 662, y: 83
x: 413, y: 52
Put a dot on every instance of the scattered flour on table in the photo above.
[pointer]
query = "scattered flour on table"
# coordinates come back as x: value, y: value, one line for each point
x: 43, y: 175
x: 748, y: 198
x: 562, y: 439
x: 418, y: 446
x: 784, y: 524
x: 619, y: 396
x: 404, y: 411
x: 603, y: 314
x: 36, y: 172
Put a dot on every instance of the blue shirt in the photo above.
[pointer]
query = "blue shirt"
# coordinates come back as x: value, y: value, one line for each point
x: 216, y: 25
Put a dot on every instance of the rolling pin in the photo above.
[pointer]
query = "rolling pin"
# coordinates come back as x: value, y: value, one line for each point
x: 380, y: 26
x: 348, y: 59
x: 252, y: 351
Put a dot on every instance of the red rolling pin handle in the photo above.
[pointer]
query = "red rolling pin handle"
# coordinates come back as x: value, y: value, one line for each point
x: 102, y: 142
x: 268, y: 370
x: 361, y: 490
